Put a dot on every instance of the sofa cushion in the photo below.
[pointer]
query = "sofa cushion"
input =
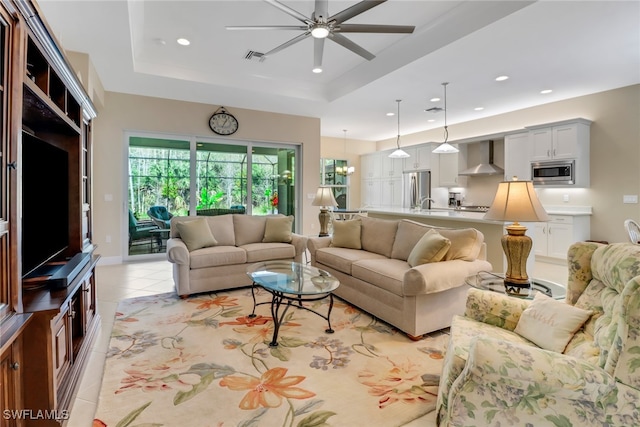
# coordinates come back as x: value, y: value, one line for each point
x: 196, y: 234
x: 386, y: 273
x: 346, y: 234
x: 408, y: 234
x: 550, y: 323
x: 341, y: 259
x: 257, y: 252
x: 249, y: 228
x: 430, y: 248
x: 222, y: 228
x: 278, y: 229
x: 378, y: 235
x: 465, y: 243
x: 216, y: 256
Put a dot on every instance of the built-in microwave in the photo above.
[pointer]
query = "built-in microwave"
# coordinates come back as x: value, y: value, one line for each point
x: 553, y: 172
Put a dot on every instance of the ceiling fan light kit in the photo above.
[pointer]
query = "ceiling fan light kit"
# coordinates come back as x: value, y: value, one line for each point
x: 445, y: 147
x: 320, y: 27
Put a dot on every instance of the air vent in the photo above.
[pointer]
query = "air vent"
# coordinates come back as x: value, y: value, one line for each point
x: 434, y: 109
x: 253, y: 55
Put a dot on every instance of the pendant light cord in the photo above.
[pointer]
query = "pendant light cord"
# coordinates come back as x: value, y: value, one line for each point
x: 446, y: 130
x: 398, y: 140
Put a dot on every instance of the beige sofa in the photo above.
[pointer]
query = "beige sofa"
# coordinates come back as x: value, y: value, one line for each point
x: 239, y: 243
x: 378, y: 279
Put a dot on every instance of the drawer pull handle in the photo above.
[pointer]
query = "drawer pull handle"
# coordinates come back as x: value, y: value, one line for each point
x: 15, y: 366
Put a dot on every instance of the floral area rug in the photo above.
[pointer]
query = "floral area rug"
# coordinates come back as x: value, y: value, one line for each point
x: 203, y: 362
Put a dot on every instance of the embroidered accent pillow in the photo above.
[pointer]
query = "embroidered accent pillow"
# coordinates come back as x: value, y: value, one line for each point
x: 550, y: 323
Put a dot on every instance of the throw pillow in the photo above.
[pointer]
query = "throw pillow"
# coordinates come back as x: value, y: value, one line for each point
x: 430, y: 248
x: 196, y: 234
x: 346, y: 234
x: 550, y: 323
x: 278, y: 229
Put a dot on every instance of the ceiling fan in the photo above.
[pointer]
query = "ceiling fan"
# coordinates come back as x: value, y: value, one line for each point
x: 321, y: 26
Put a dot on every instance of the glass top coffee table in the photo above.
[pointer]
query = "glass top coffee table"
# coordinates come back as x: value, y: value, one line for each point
x: 495, y: 282
x: 291, y: 283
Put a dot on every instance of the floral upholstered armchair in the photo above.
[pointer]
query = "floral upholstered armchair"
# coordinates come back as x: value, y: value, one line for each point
x: 494, y: 376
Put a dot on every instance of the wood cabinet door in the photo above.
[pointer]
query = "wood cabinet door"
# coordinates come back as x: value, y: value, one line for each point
x: 62, y: 343
x: 559, y: 238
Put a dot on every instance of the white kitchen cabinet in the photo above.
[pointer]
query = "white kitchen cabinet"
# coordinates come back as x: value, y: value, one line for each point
x: 370, y: 192
x: 553, y: 238
x: 560, y: 140
x: 391, y: 192
x: 516, y: 157
x: 448, y: 166
x: 420, y: 157
x: 391, y: 167
x: 371, y: 165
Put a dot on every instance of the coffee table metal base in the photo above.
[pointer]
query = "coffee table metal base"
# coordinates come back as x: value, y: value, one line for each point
x: 279, y: 299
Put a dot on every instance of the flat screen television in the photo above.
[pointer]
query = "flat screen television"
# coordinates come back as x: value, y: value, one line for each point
x: 45, y: 204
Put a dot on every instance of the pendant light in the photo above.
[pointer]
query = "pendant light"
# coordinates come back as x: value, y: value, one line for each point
x: 399, y: 153
x: 445, y: 147
x: 345, y: 170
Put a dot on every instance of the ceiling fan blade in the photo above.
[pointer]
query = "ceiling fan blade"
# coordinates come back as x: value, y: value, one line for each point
x: 354, y: 10
x: 318, y: 50
x: 321, y: 9
x: 374, y: 28
x: 286, y: 9
x: 288, y: 43
x: 345, y: 42
x: 266, y: 27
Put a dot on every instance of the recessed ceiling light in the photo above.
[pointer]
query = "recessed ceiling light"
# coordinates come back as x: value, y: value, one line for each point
x: 160, y: 41
x: 546, y: 91
x: 183, y: 42
x: 479, y: 108
x: 431, y: 120
x: 434, y: 99
x: 502, y: 78
x: 317, y: 70
x: 391, y: 114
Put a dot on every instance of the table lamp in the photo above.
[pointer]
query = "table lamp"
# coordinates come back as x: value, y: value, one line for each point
x: 324, y: 197
x: 516, y: 201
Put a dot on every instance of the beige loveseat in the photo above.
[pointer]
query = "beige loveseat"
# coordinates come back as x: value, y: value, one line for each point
x: 239, y: 243
x: 379, y: 279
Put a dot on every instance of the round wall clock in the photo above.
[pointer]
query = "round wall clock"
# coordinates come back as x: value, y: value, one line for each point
x: 223, y: 123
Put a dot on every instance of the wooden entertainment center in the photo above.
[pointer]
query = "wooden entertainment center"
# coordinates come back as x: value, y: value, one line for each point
x: 47, y: 326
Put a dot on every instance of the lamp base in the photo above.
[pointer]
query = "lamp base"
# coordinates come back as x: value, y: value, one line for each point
x: 516, y: 246
x: 324, y: 217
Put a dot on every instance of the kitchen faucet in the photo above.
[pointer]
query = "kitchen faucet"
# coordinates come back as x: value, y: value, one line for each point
x: 424, y: 199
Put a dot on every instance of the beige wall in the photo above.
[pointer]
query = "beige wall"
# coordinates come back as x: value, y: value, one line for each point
x: 615, y: 152
x: 122, y: 113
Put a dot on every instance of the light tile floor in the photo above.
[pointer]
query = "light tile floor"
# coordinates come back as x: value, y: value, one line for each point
x: 116, y: 282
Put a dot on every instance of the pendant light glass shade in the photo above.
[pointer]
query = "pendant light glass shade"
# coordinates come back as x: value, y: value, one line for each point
x: 399, y: 153
x: 445, y: 147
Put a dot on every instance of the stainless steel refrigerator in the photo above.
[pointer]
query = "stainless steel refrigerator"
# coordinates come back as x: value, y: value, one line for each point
x: 417, y: 189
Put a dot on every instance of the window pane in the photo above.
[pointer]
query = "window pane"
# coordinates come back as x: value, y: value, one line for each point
x: 221, y: 173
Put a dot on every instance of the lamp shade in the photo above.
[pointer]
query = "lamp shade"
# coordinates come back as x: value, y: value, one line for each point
x: 445, y: 148
x: 324, y: 197
x: 516, y: 201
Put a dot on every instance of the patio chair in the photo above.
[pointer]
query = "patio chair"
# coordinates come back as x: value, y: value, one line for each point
x: 138, y: 232
x: 160, y: 216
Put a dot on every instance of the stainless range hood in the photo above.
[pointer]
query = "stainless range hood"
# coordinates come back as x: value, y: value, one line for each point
x: 488, y: 168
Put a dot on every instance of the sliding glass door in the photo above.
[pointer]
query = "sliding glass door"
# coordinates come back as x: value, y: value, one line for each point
x: 188, y: 176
